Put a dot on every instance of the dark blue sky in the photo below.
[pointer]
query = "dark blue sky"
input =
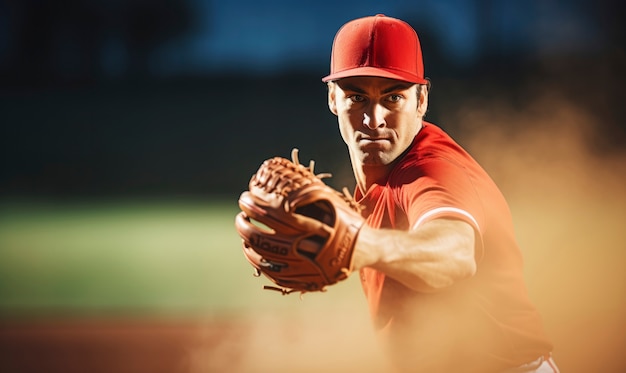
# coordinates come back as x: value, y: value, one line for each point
x: 197, y: 37
x: 278, y: 34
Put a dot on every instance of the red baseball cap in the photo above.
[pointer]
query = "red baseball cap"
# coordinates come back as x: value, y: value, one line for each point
x: 377, y: 46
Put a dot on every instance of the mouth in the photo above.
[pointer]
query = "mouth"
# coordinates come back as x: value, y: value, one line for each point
x: 373, y: 141
x: 364, y: 139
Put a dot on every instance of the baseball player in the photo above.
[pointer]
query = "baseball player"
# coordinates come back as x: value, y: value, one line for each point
x: 432, y: 237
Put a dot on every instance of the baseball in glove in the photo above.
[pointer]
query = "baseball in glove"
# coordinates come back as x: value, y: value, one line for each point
x: 296, y: 230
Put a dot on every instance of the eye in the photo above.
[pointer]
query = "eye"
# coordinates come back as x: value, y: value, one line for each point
x: 394, y: 98
x: 356, y: 98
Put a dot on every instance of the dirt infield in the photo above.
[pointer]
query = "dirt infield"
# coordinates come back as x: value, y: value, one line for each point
x: 177, y: 346
x: 105, y: 345
x: 203, y: 346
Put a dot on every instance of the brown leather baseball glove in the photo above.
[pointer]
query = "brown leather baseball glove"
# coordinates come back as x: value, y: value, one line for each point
x: 296, y: 230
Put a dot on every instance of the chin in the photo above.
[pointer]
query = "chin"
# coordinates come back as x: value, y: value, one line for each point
x: 376, y: 158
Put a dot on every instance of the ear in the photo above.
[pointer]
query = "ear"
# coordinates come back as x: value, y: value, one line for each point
x: 423, y: 101
x: 332, y: 102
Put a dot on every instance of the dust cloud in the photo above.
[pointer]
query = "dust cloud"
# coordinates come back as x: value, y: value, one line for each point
x: 569, y: 208
x: 322, y: 332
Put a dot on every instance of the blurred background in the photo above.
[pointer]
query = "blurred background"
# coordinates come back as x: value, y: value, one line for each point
x: 129, y: 128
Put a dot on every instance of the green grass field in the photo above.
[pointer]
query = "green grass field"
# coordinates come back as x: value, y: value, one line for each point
x: 120, y: 256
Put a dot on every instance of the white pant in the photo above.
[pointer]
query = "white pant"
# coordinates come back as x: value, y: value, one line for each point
x: 541, y: 365
x: 548, y: 366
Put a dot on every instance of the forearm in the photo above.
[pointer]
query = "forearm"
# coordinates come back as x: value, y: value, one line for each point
x: 428, y: 258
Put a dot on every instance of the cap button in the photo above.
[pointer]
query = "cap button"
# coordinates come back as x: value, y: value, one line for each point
x: 380, y: 15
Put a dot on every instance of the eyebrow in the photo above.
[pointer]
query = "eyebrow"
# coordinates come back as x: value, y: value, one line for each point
x: 398, y: 87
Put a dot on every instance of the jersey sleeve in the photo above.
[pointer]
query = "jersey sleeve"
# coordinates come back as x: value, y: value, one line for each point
x: 440, y: 188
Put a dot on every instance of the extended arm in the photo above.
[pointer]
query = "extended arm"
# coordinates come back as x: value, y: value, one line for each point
x: 430, y: 257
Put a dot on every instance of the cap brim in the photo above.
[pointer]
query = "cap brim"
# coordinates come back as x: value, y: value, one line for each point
x: 378, y: 72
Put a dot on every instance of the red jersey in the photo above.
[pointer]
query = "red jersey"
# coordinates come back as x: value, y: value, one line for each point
x: 482, y: 324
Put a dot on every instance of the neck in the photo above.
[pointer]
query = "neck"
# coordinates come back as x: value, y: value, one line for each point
x: 366, y: 176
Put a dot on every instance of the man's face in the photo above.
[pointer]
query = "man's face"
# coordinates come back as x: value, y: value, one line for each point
x: 378, y: 117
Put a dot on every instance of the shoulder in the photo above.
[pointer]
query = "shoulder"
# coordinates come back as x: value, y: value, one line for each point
x: 432, y: 140
x: 432, y: 148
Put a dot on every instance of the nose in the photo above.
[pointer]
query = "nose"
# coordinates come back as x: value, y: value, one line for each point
x: 374, y: 118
